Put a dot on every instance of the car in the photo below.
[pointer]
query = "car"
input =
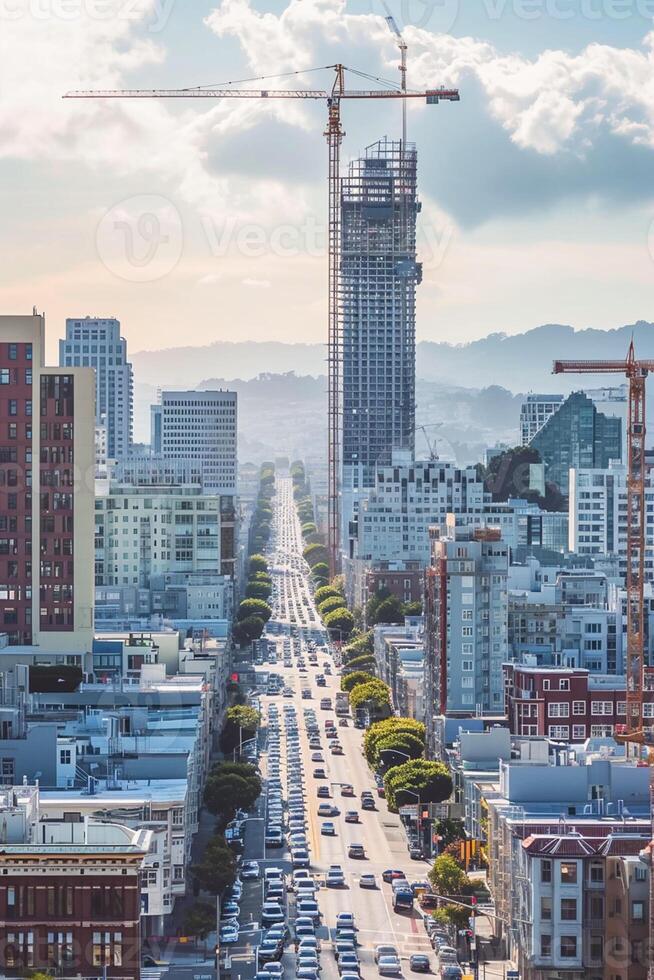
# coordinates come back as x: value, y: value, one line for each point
x: 351, y: 816
x: 323, y: 792
x: 278, y: 932
x: 345, y: 920
x: 356, y: 851
x: 342, y: 723
x: 447, y: 954
x: 384, y: 949
x: 300, y: 857
x: 270, y: 950
x: 416, y: 853
x: 317, y: 757
x: 347, y: 936
x: 308, y: 907
x: 419, y: 963
x: 451, y: 971
x: 368, y: 803
x: 229, y: 910
x: 327, y: 829
x: 304, y: 932
x: 306, y: 973
x: 336, y: 750
x: 328, y: 810
x: 391, y: 874
x: 347, y: 789
x: 229, y: 932
x: 335, y: 879
x: 389, y: 966
x: 274, y: 838
x: 306, y: 887
x: 367, y: 881
x: 272, y: 912
x: 274, y: 969
x: 319, y: 773
x: 349, y: 963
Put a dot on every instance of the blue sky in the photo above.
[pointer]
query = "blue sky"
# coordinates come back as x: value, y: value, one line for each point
x: 198, y: 220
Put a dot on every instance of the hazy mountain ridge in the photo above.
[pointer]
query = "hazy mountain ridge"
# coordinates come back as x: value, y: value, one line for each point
x: 518, y: 362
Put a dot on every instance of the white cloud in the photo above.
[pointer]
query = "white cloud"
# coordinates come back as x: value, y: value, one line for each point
x: 257, y: 283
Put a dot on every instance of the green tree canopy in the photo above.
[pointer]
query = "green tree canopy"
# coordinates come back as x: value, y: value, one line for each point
x: 430, y: 781
x: 258, y: 590
x: 226, y: 793
x: 413, y: 608
x: 446, y: 877
x: 366, y: 663
x: 254, y: 607
x: 200, y: 919
x: 356, y: 677
x: 340, y: 623
x: 390, y: 610
x: 332, y: 602
x: 364, y: 643
x: 374, y: 695
x: 239, y: 717
x: 326, y: 592
x: 308, y: 528
x: 315, y: 554
x: 257, y: 563
x: 397, y: 742
x: 389, y: 726
x: 218, y: 867
x: 248, y: 629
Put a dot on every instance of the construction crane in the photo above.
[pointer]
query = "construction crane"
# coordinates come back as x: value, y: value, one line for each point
x: 633, y: 733
x: 334, y: 134
x: 431, y: 445
x: 401, y: 43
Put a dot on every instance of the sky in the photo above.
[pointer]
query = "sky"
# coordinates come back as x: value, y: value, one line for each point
x: 195, y: 220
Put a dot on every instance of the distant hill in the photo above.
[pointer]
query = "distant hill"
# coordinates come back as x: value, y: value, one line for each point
x: 520, y: 362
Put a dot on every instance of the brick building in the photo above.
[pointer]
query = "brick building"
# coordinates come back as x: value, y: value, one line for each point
x: 47, y: 465
x: 570, y: 704
x: 70, y: 894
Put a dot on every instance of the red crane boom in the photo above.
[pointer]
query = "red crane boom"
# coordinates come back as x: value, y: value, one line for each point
x: 334, y: 134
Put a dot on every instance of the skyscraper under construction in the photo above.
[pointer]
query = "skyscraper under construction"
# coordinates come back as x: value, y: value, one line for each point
x: 378, y: 278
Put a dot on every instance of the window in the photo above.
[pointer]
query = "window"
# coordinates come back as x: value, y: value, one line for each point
x: 559, y: 731
x: 558, y: 709
x: 65, y: 756
x: 546, y: 685
x: 569, y: 909
x: 546, y: 871
x: 579, y: 707
x: 638, y: 911
x: 578, y: 731
x: 545, y: 945
x: 564, y: 684
x: 640, y: 873
x: 568, y: 947
x: 568, y: 872
x: 546, y: 908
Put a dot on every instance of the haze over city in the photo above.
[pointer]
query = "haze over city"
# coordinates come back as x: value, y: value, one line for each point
x: 536, y: 188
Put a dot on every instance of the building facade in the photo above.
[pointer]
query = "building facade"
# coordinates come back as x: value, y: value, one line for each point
x: 534, y: 413
x: 47, y: 473
x: 577, y: 435
x: 466, y: 619
x: 200, y: 426
x: 378, y: 278
x: 96, y: 343
x: 141, y: 532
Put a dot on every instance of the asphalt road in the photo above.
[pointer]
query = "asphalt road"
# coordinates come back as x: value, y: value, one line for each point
x: 379, y: 831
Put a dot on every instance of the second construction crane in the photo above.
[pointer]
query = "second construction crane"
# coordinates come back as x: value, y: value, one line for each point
x: 334, y: 134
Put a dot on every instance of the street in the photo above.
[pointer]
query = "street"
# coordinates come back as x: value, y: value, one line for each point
x: 379, y: 831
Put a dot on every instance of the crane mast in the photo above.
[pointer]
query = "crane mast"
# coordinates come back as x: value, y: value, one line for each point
x: 636, y: 373
x: 334, y: 135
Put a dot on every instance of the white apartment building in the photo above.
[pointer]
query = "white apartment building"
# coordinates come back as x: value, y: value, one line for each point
x: 406, y: 499
x: 199, y: 426
x: 94, y: 342
x: 146, y: 531
x: 597, y: 515
x: 534, y: 413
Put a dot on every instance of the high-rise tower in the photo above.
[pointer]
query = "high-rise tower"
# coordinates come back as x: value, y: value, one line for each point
x: 378, y: 278
x: 96, y: 343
